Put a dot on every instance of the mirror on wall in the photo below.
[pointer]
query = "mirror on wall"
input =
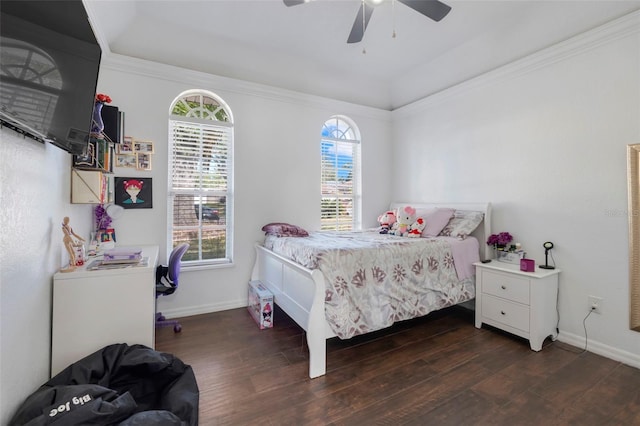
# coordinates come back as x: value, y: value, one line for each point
x: 633, y: 180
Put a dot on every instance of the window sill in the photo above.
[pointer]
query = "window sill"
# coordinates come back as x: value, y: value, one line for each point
x: 204, y: 266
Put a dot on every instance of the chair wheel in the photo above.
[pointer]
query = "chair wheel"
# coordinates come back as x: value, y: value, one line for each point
x: 177, y: 328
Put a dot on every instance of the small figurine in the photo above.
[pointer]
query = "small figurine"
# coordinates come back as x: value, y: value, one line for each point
x: 69, y: 244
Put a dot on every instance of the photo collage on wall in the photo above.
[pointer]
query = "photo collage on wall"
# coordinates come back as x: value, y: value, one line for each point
x: 134, y: 153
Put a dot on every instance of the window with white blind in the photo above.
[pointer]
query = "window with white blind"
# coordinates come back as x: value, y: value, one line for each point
x: 200, y: 206
x: 340, y: 175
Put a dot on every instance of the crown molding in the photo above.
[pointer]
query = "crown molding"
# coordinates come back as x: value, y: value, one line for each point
x: 198, y: 79
x: 607, y: 33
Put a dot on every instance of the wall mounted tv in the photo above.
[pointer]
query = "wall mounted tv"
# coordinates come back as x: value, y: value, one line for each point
x: 50, y: 62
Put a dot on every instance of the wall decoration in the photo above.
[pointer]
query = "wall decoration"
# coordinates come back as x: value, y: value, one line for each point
x: 126, y: 160
x: 126, y: 146
x: 140, y: 150
x: 88, y: 159
x: 143, y: 161
x: 133, y: 192
x: 143, y: 146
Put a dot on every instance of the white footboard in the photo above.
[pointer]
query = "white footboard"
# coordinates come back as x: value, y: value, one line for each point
x: 300, y: 292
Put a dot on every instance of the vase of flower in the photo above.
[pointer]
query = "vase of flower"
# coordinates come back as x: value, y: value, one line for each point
x: 97, y: 125
x: 499, y: 241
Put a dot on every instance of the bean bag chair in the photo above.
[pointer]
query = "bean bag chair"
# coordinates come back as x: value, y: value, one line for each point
x: 117, y: 385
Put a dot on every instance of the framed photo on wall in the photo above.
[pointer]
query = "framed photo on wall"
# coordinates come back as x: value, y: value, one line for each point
x: 133, y: 192
x: 88, y: 160
x: 126, y: 160
x: 143, y: 146
x: 126, y: 146
x: 143, y: 161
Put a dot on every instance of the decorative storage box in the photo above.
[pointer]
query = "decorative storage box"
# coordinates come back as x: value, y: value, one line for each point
x: 260, y: 304
x: 527, y: 265
x: 510, y: 256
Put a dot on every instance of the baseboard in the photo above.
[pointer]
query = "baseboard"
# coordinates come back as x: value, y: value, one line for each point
x: 203, y: 309
x: 601, y: 349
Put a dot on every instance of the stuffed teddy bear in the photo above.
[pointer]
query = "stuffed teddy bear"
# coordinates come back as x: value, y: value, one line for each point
x: 405, y: 217
x: 386, y: 221
x: 416, y: 228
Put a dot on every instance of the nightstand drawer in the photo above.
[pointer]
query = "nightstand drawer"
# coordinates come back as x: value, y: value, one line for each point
x: 505, y: 312
x: 509, y: 287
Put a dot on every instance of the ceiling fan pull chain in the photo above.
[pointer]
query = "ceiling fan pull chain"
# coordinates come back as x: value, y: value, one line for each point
x: 393, y: 17
x: 364, y: 50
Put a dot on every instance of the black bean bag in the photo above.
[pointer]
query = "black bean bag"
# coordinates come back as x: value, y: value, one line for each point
x: 117, y: 385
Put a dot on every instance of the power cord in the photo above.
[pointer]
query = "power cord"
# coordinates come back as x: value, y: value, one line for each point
x: 584, y: 324
x: 558, y: 311
x: 586, y: 338
x: 552, y: 259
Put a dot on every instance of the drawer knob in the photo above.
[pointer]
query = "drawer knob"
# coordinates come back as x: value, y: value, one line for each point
x: 502, y: 312
x: 504, y: 287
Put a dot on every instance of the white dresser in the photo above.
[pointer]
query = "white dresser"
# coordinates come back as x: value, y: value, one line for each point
x: 522, y: 303
x: 93, y: 309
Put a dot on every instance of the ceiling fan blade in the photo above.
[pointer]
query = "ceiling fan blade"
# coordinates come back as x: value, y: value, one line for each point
x: 433, y: 9
x: 357, y: 31
x: 290, y: 3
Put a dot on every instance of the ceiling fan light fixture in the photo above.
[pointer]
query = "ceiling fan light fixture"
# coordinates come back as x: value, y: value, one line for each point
x: 433, y: 9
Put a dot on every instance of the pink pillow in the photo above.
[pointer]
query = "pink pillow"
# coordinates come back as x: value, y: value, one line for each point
x: 284, y: 230
x: 436, y: 220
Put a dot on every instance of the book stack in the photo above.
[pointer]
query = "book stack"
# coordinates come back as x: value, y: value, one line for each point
x: 122, y: 255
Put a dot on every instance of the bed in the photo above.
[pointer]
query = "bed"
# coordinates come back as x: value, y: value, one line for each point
x: 317, y: 286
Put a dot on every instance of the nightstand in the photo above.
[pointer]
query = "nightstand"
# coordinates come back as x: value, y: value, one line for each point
x: 522, y: 303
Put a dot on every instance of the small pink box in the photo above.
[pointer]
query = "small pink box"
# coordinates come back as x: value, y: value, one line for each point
x: 527, y: 265
x: 260, y: 304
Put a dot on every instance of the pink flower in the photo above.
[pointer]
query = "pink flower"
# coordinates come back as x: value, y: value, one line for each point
x: 503, y: 238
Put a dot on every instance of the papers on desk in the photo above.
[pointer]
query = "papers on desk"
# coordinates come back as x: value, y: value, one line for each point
x: 122, y: 255
x: 100, y: 265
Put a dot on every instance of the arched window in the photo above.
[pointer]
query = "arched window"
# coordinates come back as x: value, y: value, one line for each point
x: 340, y: 175
x: 200, y: 206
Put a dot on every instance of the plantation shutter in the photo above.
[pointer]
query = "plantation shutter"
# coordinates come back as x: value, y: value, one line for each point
x: 200, y: 158
x: 339, y: 163
x: 200, y: 176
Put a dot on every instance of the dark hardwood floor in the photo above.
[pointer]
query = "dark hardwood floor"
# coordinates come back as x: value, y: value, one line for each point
x: 436, y: 370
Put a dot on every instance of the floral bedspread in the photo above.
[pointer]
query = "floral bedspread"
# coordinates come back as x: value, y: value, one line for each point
x: 374, y: 280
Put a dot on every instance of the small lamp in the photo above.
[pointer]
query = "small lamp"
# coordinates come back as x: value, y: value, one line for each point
x: 547, y: 246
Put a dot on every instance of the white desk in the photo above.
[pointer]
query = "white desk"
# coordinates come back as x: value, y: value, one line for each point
x: 93, y: 309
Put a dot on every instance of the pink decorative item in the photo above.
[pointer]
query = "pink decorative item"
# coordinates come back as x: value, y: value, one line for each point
x: 416, y: 228
x: 386, y: 221
x: 405, y: 217
x: 527, y: 265
x: 260, y: 304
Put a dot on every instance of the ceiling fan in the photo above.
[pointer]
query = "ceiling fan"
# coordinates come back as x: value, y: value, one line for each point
x: 433, y: 9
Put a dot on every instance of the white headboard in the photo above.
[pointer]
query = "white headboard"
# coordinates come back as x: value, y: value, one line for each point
x: 482, y: 232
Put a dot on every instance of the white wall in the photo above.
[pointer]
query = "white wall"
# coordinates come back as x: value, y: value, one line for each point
x: 34, y: 198
x: 277, y: 166
x: 544, y: 139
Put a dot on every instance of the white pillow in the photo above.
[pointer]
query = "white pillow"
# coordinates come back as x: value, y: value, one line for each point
x: 462, y: 224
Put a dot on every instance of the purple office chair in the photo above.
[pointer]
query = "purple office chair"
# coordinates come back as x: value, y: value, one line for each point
x: 167, y: 283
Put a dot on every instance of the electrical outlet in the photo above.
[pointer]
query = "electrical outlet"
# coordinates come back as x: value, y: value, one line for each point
x: 595, y: 304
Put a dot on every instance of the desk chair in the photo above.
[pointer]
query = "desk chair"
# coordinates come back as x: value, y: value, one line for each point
x: 167, y: 283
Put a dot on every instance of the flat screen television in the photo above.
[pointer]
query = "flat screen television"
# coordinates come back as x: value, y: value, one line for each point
x: 50, y: 63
